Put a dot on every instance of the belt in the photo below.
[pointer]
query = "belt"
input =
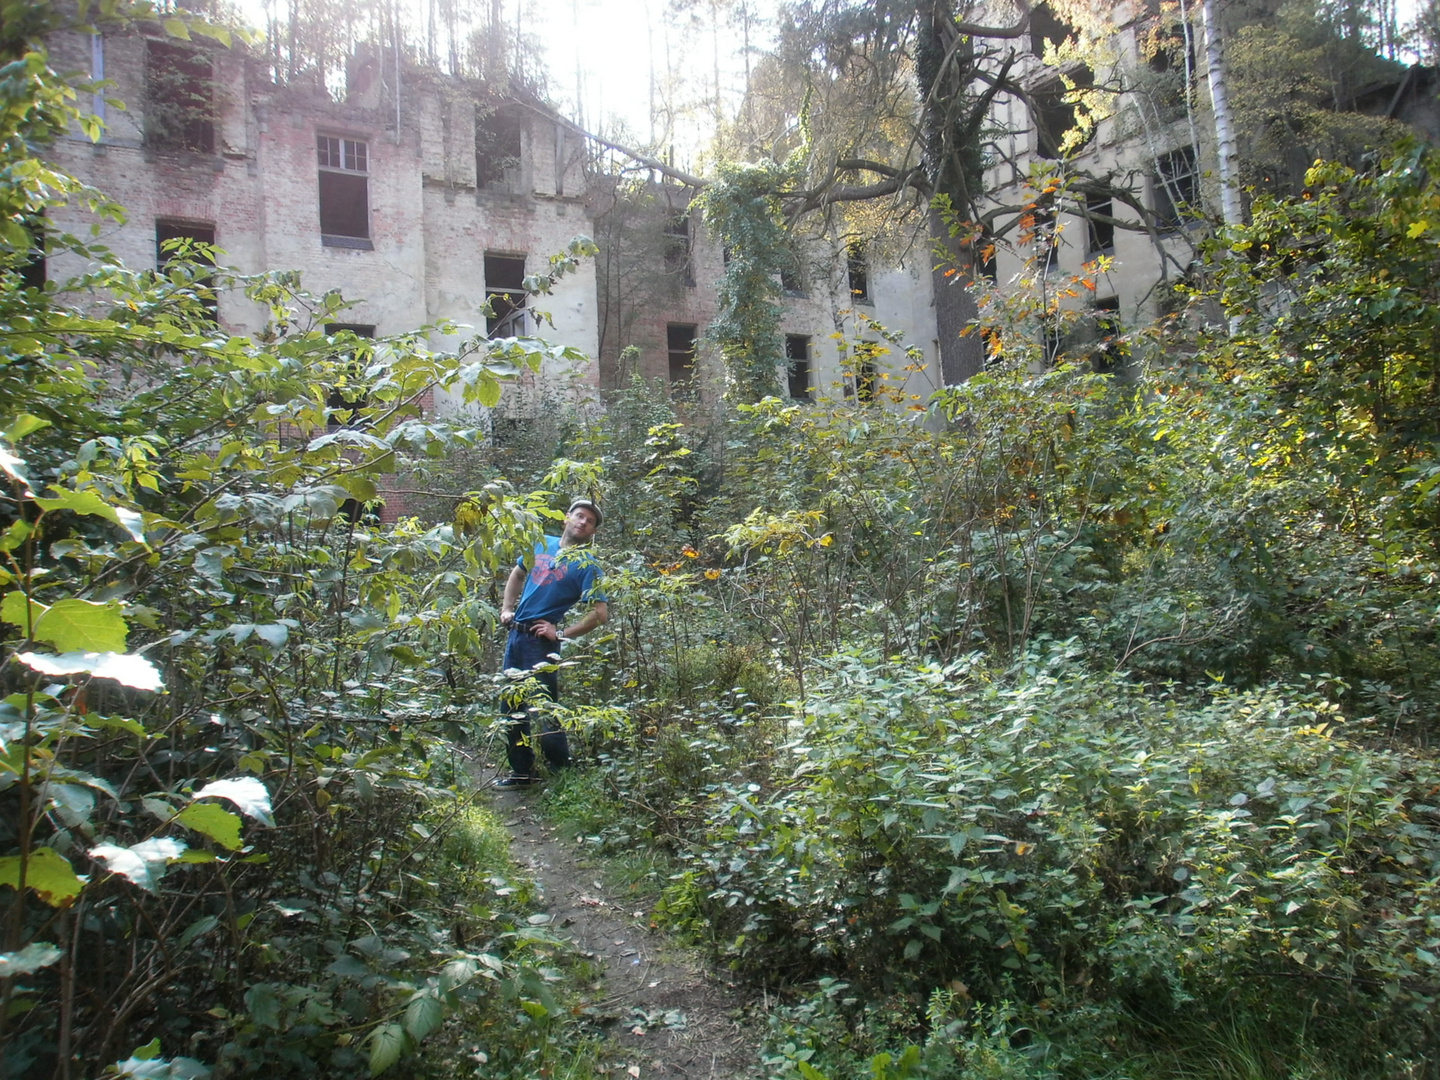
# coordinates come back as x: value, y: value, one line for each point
x: 528, y: 627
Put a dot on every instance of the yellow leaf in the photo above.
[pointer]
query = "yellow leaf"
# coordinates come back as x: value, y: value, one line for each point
x: 1417, y: 228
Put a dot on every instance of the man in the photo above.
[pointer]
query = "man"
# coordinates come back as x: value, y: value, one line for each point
x: 565, y: 572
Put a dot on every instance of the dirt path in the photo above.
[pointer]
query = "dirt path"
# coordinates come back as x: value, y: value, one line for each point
x: 669, y: 1016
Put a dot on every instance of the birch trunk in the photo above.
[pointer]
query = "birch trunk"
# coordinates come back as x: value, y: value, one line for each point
x: 1224, y: 126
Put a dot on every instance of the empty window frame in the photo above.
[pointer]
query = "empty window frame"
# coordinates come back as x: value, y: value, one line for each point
x: 797, y: 366
x: 344, y: 191
x: 677, y: 248
x: 864, y: 373
x: 343, y: 399
x: 174, y: 240
x: 1107, y: 355
x: 1169, y: 54
x: 179, y: 98
x: 33, y: 270
x: 857, y: 271
x: 499, y: 135
x: 1177, y: 188
x: 505, y: 293
x: 1047, y: 29
x: 680, y: 344
x: 1099, y: 235
x: 791, y: 283
x: 1054, y: 115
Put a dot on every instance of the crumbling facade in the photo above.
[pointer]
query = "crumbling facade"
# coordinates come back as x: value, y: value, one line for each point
x: 1156, y: 139
x: 417, y: 198
x: 421, y: 196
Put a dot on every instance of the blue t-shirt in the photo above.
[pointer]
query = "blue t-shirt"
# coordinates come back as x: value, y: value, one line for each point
x: 559, y: 578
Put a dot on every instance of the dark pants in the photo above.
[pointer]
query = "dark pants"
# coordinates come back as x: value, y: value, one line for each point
x: 524, y: 651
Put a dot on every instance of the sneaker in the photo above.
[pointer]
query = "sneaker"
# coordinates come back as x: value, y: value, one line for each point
x: 510, y: 783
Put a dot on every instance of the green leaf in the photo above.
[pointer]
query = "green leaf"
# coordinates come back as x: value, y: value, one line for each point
x: 73, y: 625
x: 457, y: 973
x: 423, y: 1015
x: 198, y: 929
x: 348, y: 967
x: 24, y: 424
x: 213, y: 821
x: 143, y: 863
x: 246, y: 792
x: 361, y: 488
x: 387, y: 1043
x: 13, y: 467
x: 277, y: 634
x: 88, y: 503
x: 18, y: 610
x: 72, y: 802
x: 48, y: 873
x: 177, y: 28
x: 263, y: 1005
x: 18, y: 532
x: 124, y: 668
x: 36, y: 955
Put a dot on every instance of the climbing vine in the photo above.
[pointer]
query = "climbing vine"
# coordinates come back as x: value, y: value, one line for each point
x: 742, y: 210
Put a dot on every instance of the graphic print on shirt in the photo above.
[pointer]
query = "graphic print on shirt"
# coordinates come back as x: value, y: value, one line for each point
x: 547, y: 569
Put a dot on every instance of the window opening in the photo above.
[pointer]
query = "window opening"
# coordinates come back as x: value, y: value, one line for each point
x: 342, y: 405
x: 344, y: 400
x: 1046, y: 28
x: 33, y: 271
x: 505, y: 293
x: 179, y: 98
x: 1054, y: 115
x: 858, y: 272
x: 176, y: 240
x: 498, y: 137
x: 680, y: 343
x: 1177, y: 188
x: 865, y: 379
x: 791, y: 283
x: 1169, y: 53
x: 797, y: 364
x: 344, y: 192
x: 1107, y: 355
x: 1099, y: 235
x: 677, y: 248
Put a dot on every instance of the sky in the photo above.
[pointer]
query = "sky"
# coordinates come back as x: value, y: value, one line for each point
x: 609, y: 60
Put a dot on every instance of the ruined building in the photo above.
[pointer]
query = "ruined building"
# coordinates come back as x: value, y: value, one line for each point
x: 418, y: 202
x: 420, y: 196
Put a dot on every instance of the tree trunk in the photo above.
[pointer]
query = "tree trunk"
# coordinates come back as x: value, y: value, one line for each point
x: 961, y: 355
x: 1224, y: 126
